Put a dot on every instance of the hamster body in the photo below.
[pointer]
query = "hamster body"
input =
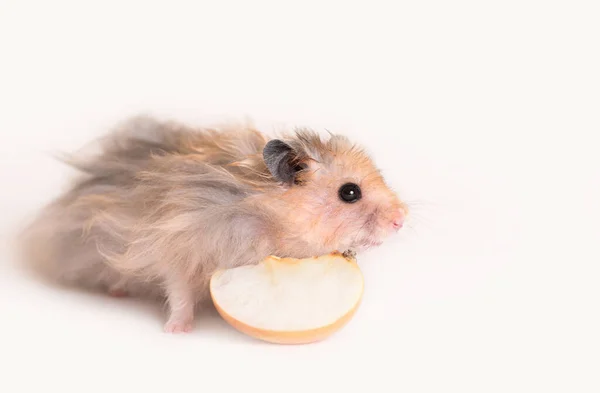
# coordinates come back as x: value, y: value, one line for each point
x: 163, y: 205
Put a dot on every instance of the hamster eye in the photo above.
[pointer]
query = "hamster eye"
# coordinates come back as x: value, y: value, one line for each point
x: 350, y: 193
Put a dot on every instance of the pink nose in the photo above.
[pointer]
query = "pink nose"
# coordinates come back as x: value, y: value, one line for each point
x: 398, y: 220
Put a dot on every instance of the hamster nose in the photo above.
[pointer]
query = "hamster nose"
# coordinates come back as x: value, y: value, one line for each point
x: 398, y: 220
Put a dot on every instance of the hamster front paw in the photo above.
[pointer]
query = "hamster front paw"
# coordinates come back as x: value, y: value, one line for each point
x: 350, y: 254
x: 118, y: 292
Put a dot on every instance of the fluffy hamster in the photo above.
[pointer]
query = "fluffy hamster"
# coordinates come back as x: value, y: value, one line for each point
x: 162, y: 205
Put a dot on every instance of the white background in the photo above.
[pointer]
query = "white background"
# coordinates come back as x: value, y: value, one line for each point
x: 483, y: 115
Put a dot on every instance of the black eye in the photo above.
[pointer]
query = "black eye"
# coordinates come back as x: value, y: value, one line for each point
x: 350, y: 193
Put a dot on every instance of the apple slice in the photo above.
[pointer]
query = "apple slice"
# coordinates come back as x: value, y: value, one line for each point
x: 289, y: 300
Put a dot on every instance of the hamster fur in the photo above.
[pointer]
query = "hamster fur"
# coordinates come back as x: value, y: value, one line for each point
x: 163, y: 205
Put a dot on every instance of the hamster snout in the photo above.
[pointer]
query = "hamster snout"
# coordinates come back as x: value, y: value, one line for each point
x: 398, y: 219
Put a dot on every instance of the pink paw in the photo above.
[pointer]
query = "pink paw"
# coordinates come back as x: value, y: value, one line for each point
x: 117, y: 292
x: 179, y: 326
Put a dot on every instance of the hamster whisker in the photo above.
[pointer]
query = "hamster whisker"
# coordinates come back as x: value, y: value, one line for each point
x: 418, y: 220
x: 420, y: 202
x: 412, y: 228
x: 365, y: 223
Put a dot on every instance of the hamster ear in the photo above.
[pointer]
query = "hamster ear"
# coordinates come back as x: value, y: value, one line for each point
x: 281, y: 160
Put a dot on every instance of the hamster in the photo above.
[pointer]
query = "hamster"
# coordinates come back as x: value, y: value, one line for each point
x: 163, y: 205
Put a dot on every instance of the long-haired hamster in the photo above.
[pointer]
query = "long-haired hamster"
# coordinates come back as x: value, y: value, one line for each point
x: 163, y: 205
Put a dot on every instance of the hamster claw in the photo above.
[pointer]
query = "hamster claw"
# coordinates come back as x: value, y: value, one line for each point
x: 178, y: 326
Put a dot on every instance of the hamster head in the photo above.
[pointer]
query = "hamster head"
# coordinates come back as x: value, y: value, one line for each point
x: 335, y: 196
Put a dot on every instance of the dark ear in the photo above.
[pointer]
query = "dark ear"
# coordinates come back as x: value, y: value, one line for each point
x: 281, y: 160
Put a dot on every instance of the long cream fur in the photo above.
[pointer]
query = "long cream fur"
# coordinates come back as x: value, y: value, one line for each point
x: 163, y: 205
